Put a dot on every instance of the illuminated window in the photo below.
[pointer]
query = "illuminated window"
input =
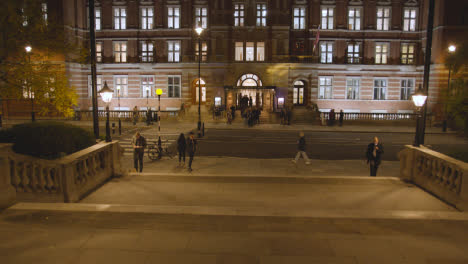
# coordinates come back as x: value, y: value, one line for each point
x: 354, y: 18
x: 147, y: 86
x: 261, y: 15
x: 299, y: 18
x: 352, y: 88
x: 380, y: 89
x: 407, y: 89
x: 173, y: 17
x: 239, y: 51
x: 326, y: 52
x: 120, y: 51
x: 90, y: 84
x: 327, y: 17
x: 147, y: 17
x: 173, y: 86
x: 260, y: 51
x: 146, y: 49
x: 201, y: 15
x: 204, y: 51
x: 203, y: 90
x: 98, y: 51
x: 173, y: 51
x: 120, y: 85
x: 407, y: 53
x: 381, y: 53
x: 120, y: 18
x: 325, y: 88
x: 354, y: 53
x: 409, y: 19
x: 383, y: 18
x: 239, y: 15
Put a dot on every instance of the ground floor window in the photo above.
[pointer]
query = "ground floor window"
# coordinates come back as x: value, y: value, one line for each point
x: 90, y: 85
x: 203, y: 90
x: 325, y: 87
x: 173, y: 86
x: 380, y: 89
x: 147, y: 86
x: 352, y: 89
x: 407, y: 88
x: 121, y: 86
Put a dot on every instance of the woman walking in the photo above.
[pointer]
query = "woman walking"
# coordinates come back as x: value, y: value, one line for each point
x: 181, y: 146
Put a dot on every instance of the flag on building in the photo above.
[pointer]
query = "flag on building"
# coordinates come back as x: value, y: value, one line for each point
x: 317, y: 37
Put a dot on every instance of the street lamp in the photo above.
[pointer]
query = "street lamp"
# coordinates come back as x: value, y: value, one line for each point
x: 106, y: 95
x: 159, y: 93
x: 451, y: 50
x: 419, y: 99
x: 199, y: 30
x: 28, y: 49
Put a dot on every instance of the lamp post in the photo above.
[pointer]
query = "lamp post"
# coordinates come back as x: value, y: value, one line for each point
x: 106, y: 95
x: 419, y: 99
x: 159, y: 93
x: 199, y: 30
x: 28, y: 49
x: 120, y: 122
x: 451, y: 50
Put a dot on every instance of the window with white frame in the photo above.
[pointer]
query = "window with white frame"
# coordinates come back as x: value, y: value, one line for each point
x: 97, y: 18
x: 239, y: 15
x: 203, y: 90
x: 327, y: 17
x: 173, y: 86
x: 173, y: 17
x: 383, y: 18
x: 173, y: 51
x: 98, y: 51
x: 249, y: 51
x: 260, y: 51
x: 239, y: 51
x: 204, y: 51
x: 353, y: 53
x: 120, y: 18
x: 380, y: 89
x: 261, y: 15
x: 44, y: 12
x: 120, y: 51
x: 146, y: 51
x: 299, y: 18
x: 409, y: 19
x: 325, y: 88
x: 147, y: 18
x: 407, y: 53
x: 407, y: 89
x: 326, y: 52
x: 121, y: 86
x: 352, y: 88
x: 147, y: 86
x: 381, y: 53
x: 90, y: 84
x: 201, y: 16
x: 354, y: 18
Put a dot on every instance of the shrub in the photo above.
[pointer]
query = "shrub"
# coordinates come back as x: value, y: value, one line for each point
x: 50, y: 140
x: 6, y: 136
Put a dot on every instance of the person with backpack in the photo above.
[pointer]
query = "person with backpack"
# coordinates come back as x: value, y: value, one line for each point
x: 191, y: 148
x: 181, y: 148
x: 301, y: 149
x: 139, y: 145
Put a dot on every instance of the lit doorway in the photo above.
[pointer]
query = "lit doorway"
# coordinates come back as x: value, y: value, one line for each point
x: 298, y: 93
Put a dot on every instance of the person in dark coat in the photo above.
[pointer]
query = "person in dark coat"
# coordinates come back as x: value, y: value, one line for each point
x: 191, y: 148
x: 301, y: 149
x: 332, y: 117
x: 139, y: 145
x: 233, y: 112
x: 374, y: 155
x: 181, y: 148
x: 341, y: 117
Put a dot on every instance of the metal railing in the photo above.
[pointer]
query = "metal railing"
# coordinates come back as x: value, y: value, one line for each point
x: 370, y: 116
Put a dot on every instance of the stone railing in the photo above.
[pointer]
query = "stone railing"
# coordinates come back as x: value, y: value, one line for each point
x: 441, y: 175
x: 68, y: 179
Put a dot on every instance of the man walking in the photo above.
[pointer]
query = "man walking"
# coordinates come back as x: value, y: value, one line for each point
x: 191, y: 148
x: 139, y: 145
x: 374, y: 152
x: 301, y: 149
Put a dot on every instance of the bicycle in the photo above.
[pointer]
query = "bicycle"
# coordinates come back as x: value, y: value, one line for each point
x: 156, y: 152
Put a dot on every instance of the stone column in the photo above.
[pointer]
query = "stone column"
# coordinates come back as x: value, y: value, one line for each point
x: 7, y: 192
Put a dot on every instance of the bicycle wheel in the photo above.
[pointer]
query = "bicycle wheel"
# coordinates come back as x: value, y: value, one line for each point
x: 153, y: 153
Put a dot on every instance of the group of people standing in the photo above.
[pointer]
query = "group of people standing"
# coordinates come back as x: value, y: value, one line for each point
x: 252, y: 116
x: 332, y: 117
x: 286, y: 116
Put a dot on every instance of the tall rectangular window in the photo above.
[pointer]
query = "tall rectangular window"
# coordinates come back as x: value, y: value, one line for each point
x: 261, y: 15
x: 98, y: 51
x: 354, y: 18
x: 239, y: 51
x: 383, y: 18
x: 201, y: 16
x: 147, y: 53
x: 90, y: 84
x: 249, y: 51
x: 147, y: 86
x: 354, y: 53
x: 260, y: 51
x: 173, y: 86
x: 352, y: 88
x: 381, y: 53
x: 407, y: 89
x: 204, y: 51
x: 327, y: 17
x: 325, y: 88
x: 326, y: 52
x: 121, y: 86
x: 44, y: 12
x: 239, y: 15
x: 409, y: 19
x: 120, y: 18
x: 173, y: 51
x: 147, y: 18
x: 97, y: 18
x: 120, y: 51
x: 380, y: 89
x: 299, y: 18
x: 173, y: 17
x: 407, y: 53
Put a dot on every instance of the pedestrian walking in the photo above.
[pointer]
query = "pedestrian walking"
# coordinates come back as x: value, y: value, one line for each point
x: 341, y: 117
x: 135, y: 115
x: 181, y: 148
x: 139, y: 145
x: 191, y: 148
x: 374, y: 155
x: 301, y: 149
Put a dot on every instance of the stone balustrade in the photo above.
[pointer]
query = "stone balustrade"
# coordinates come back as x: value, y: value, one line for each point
x: 67, y: 179
x: 441, y: 175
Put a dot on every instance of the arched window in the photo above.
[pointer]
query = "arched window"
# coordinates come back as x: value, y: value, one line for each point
x: 197, y: 84
x: 298, y: 93
x: 249, y: 80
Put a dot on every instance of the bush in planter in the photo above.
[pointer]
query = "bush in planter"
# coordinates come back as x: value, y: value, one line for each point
x: 50, y: 140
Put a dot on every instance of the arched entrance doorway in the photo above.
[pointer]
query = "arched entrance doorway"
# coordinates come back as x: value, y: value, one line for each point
x: 299, y: 93
x: 195, y: 86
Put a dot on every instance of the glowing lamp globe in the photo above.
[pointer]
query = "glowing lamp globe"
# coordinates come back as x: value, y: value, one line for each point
x: 452, y: 48
x: 106, y: 93
x: 28, y: 48
x: 159, y: 91
x: 419, y: 98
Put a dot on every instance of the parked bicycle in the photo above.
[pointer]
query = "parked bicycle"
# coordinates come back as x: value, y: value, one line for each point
x: 156, y: 152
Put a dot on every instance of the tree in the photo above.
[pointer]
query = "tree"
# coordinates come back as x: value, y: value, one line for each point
x: 40, y: 73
